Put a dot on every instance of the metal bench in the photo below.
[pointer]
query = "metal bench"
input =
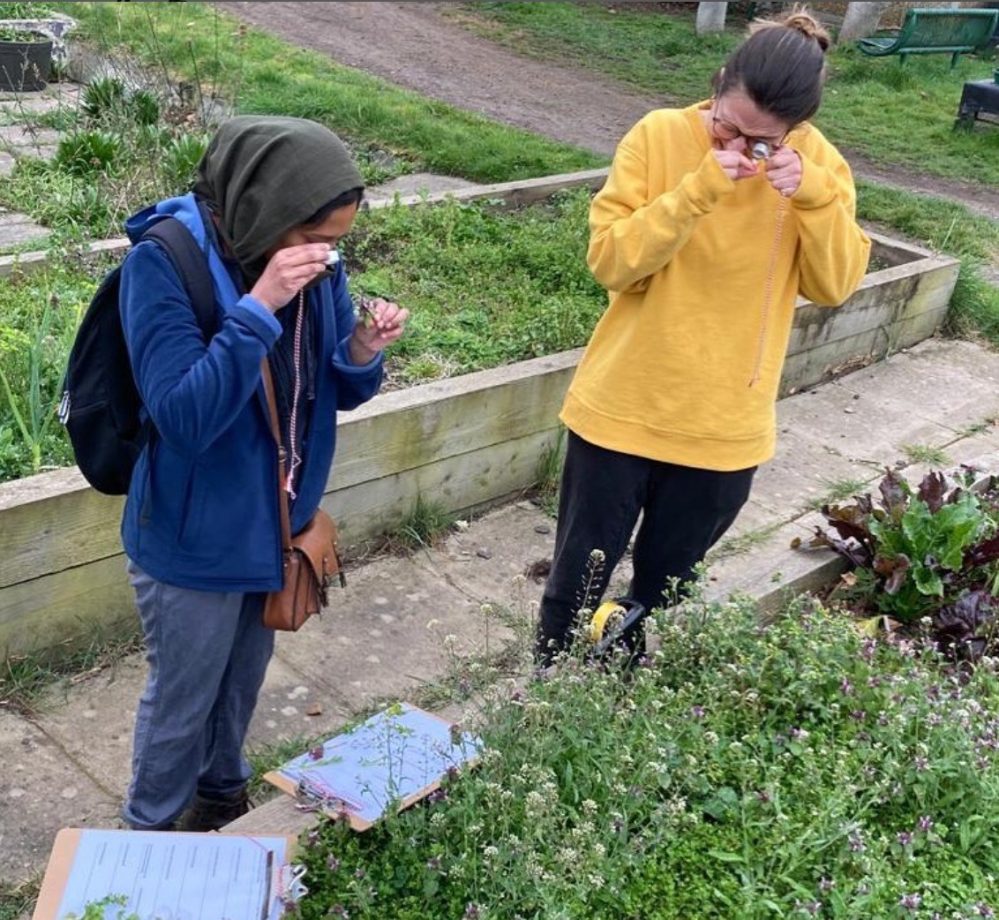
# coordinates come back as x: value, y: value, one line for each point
x: 956, y: 31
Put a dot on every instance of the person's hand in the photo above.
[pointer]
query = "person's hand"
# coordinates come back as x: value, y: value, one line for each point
x: 783, y: 171
x: 379, y: 325
x: 287, y: 272
x: 731, y: 157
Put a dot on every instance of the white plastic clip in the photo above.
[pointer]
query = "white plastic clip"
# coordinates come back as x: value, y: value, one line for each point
x: 292, y: 888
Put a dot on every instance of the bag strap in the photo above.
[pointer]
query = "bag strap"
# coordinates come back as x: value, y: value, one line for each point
x: 191, y: 266
x: 272, y: 411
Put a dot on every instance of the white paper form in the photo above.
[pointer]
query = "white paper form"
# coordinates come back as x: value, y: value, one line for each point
x: 393, y: 755
x: 172, y: 876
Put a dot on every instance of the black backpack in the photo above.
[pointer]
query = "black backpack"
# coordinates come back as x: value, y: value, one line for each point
x: 100, y: 404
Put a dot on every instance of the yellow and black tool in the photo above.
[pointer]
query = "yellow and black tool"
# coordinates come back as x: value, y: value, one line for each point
x: 611, y: 624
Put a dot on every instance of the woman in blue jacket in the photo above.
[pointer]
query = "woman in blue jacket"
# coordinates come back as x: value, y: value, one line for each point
x: 201, y: 527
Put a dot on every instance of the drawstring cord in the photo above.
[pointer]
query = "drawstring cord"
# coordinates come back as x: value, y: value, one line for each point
x: 768, y: 291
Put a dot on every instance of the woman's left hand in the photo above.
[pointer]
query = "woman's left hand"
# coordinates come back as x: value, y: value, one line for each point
x: 783, y: 171
x: 379, y: 325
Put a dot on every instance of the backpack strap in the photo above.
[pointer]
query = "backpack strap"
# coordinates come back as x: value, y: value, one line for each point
x: 191, y: 265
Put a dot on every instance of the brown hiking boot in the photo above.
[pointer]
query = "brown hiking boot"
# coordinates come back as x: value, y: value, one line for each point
x: 207, y: 814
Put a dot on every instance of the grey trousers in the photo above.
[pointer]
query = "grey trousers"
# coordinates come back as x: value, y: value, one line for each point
x: 207, y: 654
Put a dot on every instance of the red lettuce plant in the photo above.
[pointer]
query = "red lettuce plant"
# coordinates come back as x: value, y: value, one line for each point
x: 930, y: 552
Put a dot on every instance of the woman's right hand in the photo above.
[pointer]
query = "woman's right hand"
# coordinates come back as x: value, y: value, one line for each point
x: 287, y: 272
x: 731, y: 157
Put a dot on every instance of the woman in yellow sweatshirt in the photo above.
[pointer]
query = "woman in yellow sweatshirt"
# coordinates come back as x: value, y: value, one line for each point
x: 712, y: 220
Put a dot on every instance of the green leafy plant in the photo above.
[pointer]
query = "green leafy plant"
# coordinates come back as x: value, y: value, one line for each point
x: 85, y: 153
x: 24, y: 36
x: 102, y: 97
x: 29, y: 399
x: 181, y: 157
x: 932, y: 551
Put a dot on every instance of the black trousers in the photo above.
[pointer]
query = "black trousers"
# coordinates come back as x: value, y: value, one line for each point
x: 685, y: 511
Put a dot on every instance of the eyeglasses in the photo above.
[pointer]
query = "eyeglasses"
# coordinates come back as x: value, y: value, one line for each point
x: 760, y: 147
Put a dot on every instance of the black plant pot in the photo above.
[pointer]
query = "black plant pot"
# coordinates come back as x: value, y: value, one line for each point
x: 25, y: 65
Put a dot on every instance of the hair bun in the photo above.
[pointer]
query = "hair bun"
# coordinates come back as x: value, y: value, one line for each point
x: 804, y: 22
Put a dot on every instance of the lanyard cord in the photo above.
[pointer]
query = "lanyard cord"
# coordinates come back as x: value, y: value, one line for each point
x: 294, y: 458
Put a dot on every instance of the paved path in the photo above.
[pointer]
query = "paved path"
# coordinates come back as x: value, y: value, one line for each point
x: 66, y: 763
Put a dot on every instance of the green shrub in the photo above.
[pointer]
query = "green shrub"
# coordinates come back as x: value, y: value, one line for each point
x: 85, y: 153
x: 103, y: 98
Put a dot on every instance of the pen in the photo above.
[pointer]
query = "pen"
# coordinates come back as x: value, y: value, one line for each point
x: 268, y: 878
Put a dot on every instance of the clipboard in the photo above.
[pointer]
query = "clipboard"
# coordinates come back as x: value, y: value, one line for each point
x: 347, y: 780
x: 80, y: 856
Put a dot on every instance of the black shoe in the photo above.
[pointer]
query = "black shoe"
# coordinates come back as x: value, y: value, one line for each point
x: 207, y: 814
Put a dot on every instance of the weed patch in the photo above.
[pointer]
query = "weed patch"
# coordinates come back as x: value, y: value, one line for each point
x: 790, y: 771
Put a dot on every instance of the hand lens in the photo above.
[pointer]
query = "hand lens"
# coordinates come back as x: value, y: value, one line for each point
x: 760, y: 150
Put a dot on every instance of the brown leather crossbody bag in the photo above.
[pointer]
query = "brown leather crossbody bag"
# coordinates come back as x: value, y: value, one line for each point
x: 311, y: 559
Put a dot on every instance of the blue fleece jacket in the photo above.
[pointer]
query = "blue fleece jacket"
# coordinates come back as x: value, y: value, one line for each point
x: 202, y: 509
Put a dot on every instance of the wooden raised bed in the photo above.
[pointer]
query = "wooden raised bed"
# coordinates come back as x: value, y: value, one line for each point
x: 465, y: 443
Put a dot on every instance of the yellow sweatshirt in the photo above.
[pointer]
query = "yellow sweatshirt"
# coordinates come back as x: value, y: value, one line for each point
x: 703, y: 274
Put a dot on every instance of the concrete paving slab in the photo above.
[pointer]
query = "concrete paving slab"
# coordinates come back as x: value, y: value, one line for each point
x: 952, y: 383
x: 417, y: 184
x: 17, y: 229
x: 804, y: 470
x: 387, y: 634
x: 93, y: 720
x: 291, y: 706
x: 20, y: 138
x: 489, y: 561
x: 869, y: 427
x: 7, y: 162
x: 41, y: 791
x: 773, y: 571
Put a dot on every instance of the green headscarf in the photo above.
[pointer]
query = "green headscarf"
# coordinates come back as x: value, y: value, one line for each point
x: 264, y: 175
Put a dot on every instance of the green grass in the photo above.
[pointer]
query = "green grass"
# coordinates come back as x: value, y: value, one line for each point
x: 17, y: 900
x: 837, y: 492
x: 267, y: 757
x: 424, y: 524
x: 24, y: 678
x: 485, y: 286
x: 923, y: 453
x: 888, y: 113
x: 265, y: 75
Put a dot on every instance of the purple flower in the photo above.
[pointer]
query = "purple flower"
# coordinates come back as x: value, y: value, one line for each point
x: 338, y: 910
x: 358, y: 873
x: 697, y: 712
x: 434, y: 863
x: 471, y: 912
x: 845, y: 687
x: 983, y: 910
x: 856, y: 842
x: 826, y: 884
x: 904, y: 839
x: 858, y: 715
x: 920, y: 763
x: 333, y: 864
x: 910, y: 901
x: 925, y: 823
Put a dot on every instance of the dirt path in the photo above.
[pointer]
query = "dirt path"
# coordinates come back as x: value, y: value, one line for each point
x: 413, y: 45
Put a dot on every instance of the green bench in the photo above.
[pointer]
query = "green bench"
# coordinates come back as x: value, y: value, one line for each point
x: 955, y: 31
